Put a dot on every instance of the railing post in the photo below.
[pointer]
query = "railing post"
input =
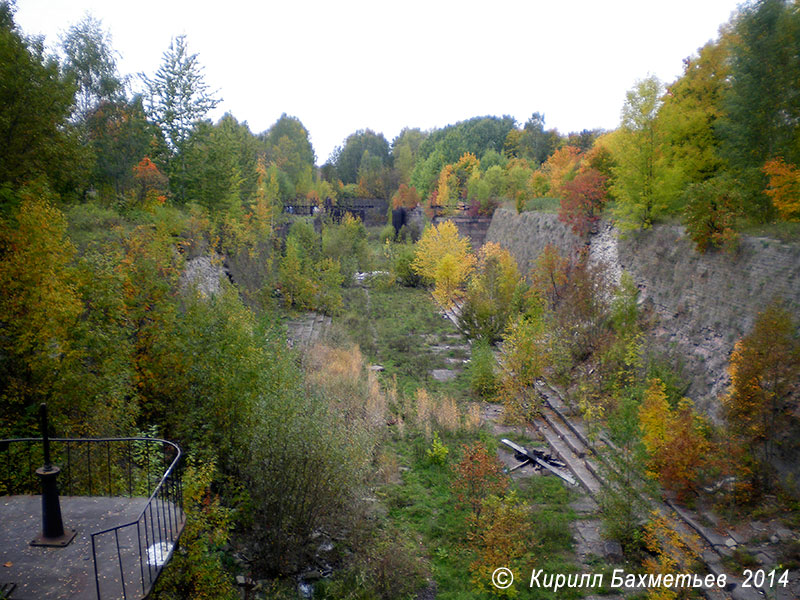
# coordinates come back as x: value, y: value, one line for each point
x: 53, y: 533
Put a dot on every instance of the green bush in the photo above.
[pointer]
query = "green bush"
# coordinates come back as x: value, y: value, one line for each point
x: 402, y: 255
x: 346, y: 242
x: 387, y: 234
x: 437, y: 453
x: 483, y: 380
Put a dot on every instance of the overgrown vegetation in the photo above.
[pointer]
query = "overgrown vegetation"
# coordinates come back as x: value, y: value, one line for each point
x: 105, y: 199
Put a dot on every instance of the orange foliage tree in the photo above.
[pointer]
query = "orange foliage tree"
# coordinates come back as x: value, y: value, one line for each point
x: 152, y: 182
x: 764, y: 369
x: 405, y: 197
x: 477, y: 476
x: 673, y: 438
x: 784, y: 188
x: 561, y: 167
x: 582, y: 201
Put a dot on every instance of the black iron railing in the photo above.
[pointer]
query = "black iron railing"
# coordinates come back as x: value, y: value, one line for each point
x: 145, y: 468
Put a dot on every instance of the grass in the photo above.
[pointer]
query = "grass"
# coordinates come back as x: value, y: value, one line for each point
x: 396, y: 328
x: 423, y: 506
x: 783, y: 231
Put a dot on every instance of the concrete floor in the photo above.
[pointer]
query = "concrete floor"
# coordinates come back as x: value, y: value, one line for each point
x: 42, y: 573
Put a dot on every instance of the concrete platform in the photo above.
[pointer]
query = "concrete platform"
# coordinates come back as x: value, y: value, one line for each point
x: 42, y: 573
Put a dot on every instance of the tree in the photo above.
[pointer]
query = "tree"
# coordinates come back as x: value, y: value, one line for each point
x: 582, y: 201
x: 639, y: 182
x: 712, y: 208
x: 526, y: 355
x: 405, y: 197
x: 764, y: 369
x: 404, y: 152
x: 691, y: 114
x: 447, y: 145
x: 493, y: 293
x: 673, y: 439
x: 532, y: 142
x: 178, y: 97
x: 35, y: 101
x: 119, y: 137
x: 477, y: 476
x: 213, y: 176
x: 348, y: 158
x: 784, y: 188
x: 501, y: 536
x: 443, y: 257
x: 761, y: 107
x: 39, y: 304
x: 287, y: 145
x: 90, y: 62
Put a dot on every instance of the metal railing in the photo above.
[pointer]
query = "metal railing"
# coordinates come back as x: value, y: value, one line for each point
x: 133, y: 467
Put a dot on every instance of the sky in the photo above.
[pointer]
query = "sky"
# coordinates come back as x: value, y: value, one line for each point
x: 344, y: 65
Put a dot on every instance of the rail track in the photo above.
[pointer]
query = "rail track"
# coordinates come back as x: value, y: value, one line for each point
x: 590, y: 467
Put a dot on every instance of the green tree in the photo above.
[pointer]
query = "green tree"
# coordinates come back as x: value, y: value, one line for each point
x: 178, y: 96
x: 447, y: 145
x: 288, y: 146
x: 691, y: 114
x: 532, y: 142
x: 119, y: 136
x: 348, y: 158
x: 405, y: 148
x: 640, y: 182
x: 761, y: 107
x: 90, y: 62
x: 213, y: 177
x: 35, y: 101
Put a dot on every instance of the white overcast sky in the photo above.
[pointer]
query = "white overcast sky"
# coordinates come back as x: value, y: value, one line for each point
x: 345, y: 65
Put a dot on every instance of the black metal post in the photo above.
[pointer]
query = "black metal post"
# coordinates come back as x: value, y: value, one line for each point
x: 53, y: 533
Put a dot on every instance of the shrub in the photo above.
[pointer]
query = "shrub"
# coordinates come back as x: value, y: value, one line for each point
x: 437, y: 453
x: 477, y: 476
x: 482, y: 378
x: 196, y: 570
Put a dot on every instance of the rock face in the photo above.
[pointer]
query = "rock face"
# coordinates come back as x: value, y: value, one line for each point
x: 703, y: 303
x: 204, y: 273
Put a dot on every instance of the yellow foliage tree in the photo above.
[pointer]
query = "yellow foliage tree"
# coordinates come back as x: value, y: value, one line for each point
x: 561, y: 167
x: 526, y: 355
x: 501, y: 536
x: 670, y: 552
x: 673, y: 438
x: 443, y: 257
x: 39, y: 303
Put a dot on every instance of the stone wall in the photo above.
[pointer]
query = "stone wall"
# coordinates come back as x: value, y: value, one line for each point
x: 706, y: 302
x: 703, y: 303
x: 526, y: 235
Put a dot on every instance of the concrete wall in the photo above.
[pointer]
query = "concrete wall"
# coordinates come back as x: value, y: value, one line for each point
x: 703, y: 303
